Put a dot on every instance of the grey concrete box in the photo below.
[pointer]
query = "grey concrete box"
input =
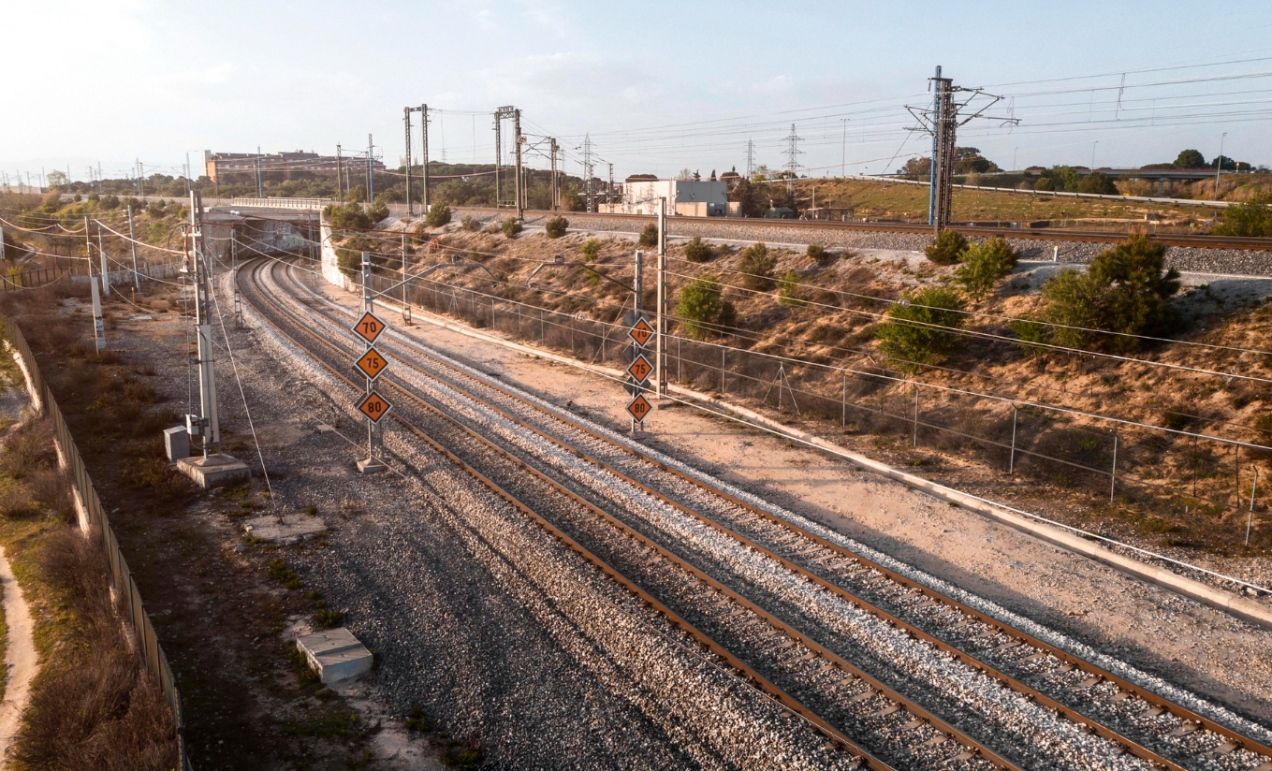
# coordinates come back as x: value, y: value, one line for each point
x: 176, y: 442
x: 335, y: 654
x: 214, y: 470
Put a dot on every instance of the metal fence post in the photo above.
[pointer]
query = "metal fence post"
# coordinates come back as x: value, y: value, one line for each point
x: 1236, y: 469
x: 1254, y: 488
x: 723, y: 351
x: 1011, y: 463
x: 916, y: 416
x: 1113, y: 481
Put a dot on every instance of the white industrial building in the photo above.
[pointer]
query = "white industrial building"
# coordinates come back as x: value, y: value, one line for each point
x: 686, y: 197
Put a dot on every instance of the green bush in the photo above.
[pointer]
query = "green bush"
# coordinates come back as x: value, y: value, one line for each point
x: 392, y: 195
x: 983, y: 264
x: 788, y: 291
x: 947, y: 249
x: 349, y: 254
x: 649, y: 236
x: 356, y: 194
x: 511, y: 227
x: 1252, y: 219
x: 701, y: 305
x: 915, y: 331
x: 818, y: 253
x: 439, y: 214
x: 470, y: 223
x: 591, y: 250
x: 555, y: 227
x: 378, y: 211
x: 697, y: 251
x: 757, y: 267
x: 1045, y: 184
x: 1125, y: 290
x: 1098, y: 183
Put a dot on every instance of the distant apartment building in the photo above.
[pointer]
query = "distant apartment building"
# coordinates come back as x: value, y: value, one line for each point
x: 215, y: 164
x: 686, y: 197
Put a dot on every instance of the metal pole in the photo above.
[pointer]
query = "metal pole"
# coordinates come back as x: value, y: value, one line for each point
x: 936, y: 119
x: 660, y: 351
x: 1113, y: 481
x: 552, y: 186
x: 843, y: 401
x: 424, y: 158
x: 638, y: 283
x: 105, y: 267
x: 916, y: 416
x: 1254, y: 488
x: 406, y: 307
x: 207, y: 379
x: 260, y: 187
x: 88, y: 246
x: 723, y: 364
x: 238, y: 307
x: 339, y: 174
x: 132, y: 240
x: 99, y: 324
x: 370, y: 170
x: 518, y: 140
x: 1011, y: 464
x: 367, y: 304
x: 498, y: 153
x: 406, y: 121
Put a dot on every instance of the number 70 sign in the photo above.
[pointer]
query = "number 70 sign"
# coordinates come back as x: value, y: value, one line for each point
x: 369, y: 327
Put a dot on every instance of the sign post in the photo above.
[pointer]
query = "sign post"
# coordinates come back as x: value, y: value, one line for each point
x: 371, y: 364
x: 639, y: 370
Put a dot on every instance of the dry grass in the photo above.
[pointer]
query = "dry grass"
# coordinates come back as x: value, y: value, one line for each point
x: 92, y: 706
x: 36, y: 485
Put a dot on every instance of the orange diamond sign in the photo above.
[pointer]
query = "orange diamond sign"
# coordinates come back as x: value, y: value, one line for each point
x: 374, y: 406
x: 639, y: 408
x: 371, y: 363
x: 640, y: 368
x: 640, y: 332
x: 369, y: 327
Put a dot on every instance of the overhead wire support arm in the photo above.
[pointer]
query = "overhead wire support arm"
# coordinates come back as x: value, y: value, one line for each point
x: 941, y: 121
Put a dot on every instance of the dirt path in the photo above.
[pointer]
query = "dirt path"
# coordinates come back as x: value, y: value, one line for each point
x: 20, y: 658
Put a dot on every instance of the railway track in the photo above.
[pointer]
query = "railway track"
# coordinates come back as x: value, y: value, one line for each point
x: 1034, y: 234
x: 730, y: 573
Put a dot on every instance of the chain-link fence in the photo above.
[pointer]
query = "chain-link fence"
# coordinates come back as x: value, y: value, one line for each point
x: 1162, y: 473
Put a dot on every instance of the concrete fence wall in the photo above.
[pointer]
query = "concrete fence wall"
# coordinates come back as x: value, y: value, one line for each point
x: 95, y: 524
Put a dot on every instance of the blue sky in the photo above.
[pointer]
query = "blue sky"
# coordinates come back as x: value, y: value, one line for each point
x: 660, y: 86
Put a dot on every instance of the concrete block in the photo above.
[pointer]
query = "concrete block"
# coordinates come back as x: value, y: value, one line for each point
x: 288, y: 528
x: 176, y: 443
x: 335, y: 654
x: 371, y: 466
x: 214, y: 470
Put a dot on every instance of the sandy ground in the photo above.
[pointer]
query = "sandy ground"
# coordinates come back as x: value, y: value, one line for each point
x: 20, y: 657
x: 1190, y: 644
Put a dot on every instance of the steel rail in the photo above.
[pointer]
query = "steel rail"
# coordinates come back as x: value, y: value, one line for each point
x: 1033, y: 234
x: 1093, y: 670
x: 762, y: 683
